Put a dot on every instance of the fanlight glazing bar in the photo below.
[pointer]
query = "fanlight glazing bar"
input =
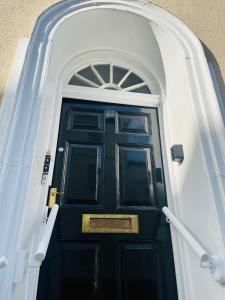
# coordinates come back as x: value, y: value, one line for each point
x: 97, y: 74
x: 124, y: 77
x: 133, y: 87
x: 89, y: 82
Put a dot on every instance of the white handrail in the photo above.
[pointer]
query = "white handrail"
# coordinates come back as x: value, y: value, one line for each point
x: 215, y: 263
x: 43, y: 245
x: 3, y: 262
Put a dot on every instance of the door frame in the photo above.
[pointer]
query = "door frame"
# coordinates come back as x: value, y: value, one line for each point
x: 105, y: 96
x: 112, y: 97
x: 24, y: 197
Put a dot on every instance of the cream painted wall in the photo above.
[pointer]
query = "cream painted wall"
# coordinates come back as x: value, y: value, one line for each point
x: 206, y: 18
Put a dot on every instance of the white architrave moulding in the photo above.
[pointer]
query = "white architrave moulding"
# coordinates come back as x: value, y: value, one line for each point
x: 31, y: 125
x: 119, y: 97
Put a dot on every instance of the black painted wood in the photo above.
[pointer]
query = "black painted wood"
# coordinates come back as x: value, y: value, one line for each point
x: 111, y: 164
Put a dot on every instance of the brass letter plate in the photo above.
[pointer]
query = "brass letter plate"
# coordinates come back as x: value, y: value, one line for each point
x: 99, y: 223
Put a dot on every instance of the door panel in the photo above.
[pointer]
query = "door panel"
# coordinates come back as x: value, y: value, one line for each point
x: 135, y: 177
x: 83, y: 168
x: 111, y: 164
x: 86, y: 120
x: 141, y: 277
x: 80, y: 271
x: 132, y: 124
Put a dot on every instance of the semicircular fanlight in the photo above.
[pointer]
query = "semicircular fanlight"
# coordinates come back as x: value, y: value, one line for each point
x: 109, y: 76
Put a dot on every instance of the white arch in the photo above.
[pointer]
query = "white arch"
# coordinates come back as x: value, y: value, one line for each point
x: 27, y: 137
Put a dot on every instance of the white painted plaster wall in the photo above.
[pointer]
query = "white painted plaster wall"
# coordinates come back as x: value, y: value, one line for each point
x: 204, y: 17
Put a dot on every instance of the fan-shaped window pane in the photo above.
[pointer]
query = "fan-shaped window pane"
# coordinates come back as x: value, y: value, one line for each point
x: 111, y: 77
x: 76, y: 81
x: 118, y: 74
x: 144, y: 89
x: 89, y: 74
x: 104, y: 71
x: 132, y: 79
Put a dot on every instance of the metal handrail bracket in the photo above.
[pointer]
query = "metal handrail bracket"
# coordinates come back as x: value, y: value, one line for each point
x: 3, y: 262
x: 23, y: 262
x: 215, y: 263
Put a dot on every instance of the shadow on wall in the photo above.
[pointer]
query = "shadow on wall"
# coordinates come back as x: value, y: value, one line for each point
x: 217, y: 79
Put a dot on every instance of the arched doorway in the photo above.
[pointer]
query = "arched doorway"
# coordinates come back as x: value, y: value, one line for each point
x: 162, y: 52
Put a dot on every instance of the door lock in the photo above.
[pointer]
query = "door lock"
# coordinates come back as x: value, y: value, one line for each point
x: 52, y: 196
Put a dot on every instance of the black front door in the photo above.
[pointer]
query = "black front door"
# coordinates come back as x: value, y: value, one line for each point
x: 108, y: 167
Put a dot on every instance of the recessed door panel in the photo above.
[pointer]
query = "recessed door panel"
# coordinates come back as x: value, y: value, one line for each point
x: 84, y: 120
x: 82, y: 174
x: 133, y: 124
x: 141, y: 271
x: 80, y: 271
x: 135, y: 177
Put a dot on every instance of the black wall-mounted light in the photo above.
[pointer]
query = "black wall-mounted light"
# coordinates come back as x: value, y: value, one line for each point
x: 177, y: 153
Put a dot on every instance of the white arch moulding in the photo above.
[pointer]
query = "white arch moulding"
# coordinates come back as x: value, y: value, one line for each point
x: 188, y: 114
